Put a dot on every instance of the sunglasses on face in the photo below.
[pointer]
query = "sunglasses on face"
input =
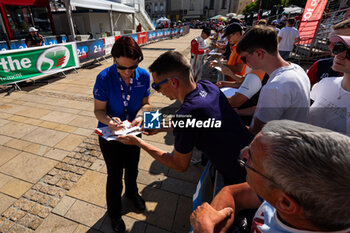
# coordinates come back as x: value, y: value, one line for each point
x: 339, y: 48
x: 127, y: 68
x: 156, y: 86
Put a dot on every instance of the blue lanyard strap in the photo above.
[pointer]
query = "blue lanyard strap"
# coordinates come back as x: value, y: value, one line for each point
x: 126, y: 98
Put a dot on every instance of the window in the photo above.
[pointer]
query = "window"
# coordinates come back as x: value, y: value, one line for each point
x: 223, y: 4
x: 22, y: 18
x: 156, y: 7
x: 41, y: 19
x: 161, y: 7
x: 211, y: 5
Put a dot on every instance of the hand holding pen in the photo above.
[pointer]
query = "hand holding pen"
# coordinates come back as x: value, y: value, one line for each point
x: 115, y: 123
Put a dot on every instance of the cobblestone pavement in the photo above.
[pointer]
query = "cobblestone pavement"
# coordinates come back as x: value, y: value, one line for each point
x: 52, y: 173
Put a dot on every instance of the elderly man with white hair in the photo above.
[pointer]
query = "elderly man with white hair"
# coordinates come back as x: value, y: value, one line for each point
x: 298, y: 177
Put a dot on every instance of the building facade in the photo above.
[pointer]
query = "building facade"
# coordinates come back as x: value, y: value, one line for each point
x: 193, y: 9
x: 156, y: 8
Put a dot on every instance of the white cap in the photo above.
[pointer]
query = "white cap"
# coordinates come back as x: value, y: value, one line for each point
x: 220, y: 27
x: 33, y: 29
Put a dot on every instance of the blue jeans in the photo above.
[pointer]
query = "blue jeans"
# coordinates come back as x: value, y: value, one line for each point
x: 284, y: 54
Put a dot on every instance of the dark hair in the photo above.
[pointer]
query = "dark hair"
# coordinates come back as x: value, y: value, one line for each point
x: 291, y: 21
x: 258, y: 37
x: 235, y: 20
x: 207, y: 31
x: 342, y: 25
x: 126, y: 46
x: 171, y: 62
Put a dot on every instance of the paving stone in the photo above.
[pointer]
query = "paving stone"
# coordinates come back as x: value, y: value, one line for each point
x: 29, y: 194
x: 163, y: 212
x: 18, y: 215
x: 147, y: 178
x: 38, y: 186
x: 44, y: 200
x: 9, y: 212
x: 56, y: 154
x: 59, y: 117
x: 97, y: 165
x: 28, y: 167
x: 154, y: 229
x: 4, y: 179
x: 179, y: 186
x: 63, y: 206
x: 49, y: 124
x: 27, y: 230
x: 47, y: 137
x: 17, y: 118
x: 68, y: 185
x: 70, y: 142
x: 16, y: 129
x: 36, y: 209
x: 31, y: 121
x: 16, y: 229
x: 90, y: 188
x: 15, y: 188
x: 54, y: 202
x: 86, y: 214
x: 53, y: 190
x: 19, y: 203
x: 6, y: 226
x: 85, y: 121
x: 5, y: 202
x: 44, y: 188
x: 82, y: 131
x: 36, y: 149
x: 61, y: 193
x: 53, y: 172
x: 4, y: 139
x: 35, y: 223
x: 17, y: 144
x: 57, y: 224
x: 33, y: 112
x: 11, y: 108
x: 53, y: 180
x: 132, y: 225
x: 44, y: 212
x: 182, y: 217
x: 28, y: 206
x: 66, y: 128
x: 36, y: 196
x: 84, y: 229
x: 28, y: 218
x: 3, y: 122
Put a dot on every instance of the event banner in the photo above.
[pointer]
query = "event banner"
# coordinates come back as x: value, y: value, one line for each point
x: 91, y: 49
x: 109, y: 42
x: 311, y: 17
x: 21, y: 64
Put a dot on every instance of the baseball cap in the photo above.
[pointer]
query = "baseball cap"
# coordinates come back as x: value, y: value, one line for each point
x: 220, y: 27
x: 343, y: 39
x: 33, y: 29
x: 232, y: 28
x: 274, y: 22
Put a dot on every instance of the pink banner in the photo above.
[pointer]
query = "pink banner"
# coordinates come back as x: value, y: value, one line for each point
x: 311, y: 18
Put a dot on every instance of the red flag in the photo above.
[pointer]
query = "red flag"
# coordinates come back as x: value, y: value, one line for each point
x: 311, y: 18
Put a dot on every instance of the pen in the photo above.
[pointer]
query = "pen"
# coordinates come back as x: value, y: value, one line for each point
x: 118, y: 123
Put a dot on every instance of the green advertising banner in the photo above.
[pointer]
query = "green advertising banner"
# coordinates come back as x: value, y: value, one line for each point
x: 21, y: 64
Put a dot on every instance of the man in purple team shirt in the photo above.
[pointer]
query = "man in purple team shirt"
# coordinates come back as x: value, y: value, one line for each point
x: 205, y: 120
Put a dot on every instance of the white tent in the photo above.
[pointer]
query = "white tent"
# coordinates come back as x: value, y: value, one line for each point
x: 162, y: 20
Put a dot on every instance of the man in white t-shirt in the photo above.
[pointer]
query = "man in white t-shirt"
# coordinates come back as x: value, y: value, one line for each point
x: 287, y: 37
x: 286, y: 94
x: 298, y: 177
x: 331, y: 107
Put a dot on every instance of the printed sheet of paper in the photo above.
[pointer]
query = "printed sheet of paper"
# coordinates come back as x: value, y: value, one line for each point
x: 109, y: 134
x: 229, y: 91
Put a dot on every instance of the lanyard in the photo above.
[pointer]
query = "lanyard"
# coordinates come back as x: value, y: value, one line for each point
x: 126, y: 98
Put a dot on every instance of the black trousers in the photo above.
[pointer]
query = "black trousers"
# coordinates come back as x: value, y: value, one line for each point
x: 118, y: 156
